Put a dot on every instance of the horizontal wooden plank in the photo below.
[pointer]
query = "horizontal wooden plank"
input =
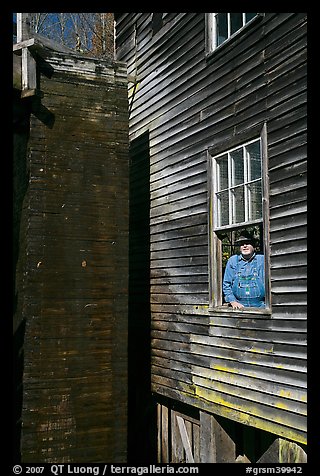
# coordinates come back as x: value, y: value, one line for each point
x: 205, y: 317
x: 289, y: 298
x: 238, y: 402
x: 185, y: 203
x: 179, y: 224
x: 288, y: 286
x: 292, y: 398
x: 296, y: 219
x: 260, y: 357
x: 184, y: 271
x: 295, y: 272
x: 277, y: 149
x: 256, y: 332
x: 199, y: 299
x: 180, y: 242
x: 177, y: 289
x: 226, y: 369
x: 245, y: 343
x: 183, y: 230
x: 292, y: 246
x: 188, y: 279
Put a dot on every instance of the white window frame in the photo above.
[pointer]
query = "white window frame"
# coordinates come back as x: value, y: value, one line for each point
x: 247, y: 182
x: 215, y: 243
x: 212, y: 30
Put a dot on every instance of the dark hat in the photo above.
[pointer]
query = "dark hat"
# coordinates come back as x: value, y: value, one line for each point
x: 245, y: 237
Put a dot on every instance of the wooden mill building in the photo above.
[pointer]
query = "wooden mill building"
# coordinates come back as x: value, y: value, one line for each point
x: 217, y: 128
x: 133, y: 178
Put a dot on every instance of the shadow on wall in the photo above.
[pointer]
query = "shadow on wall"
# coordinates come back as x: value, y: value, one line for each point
x: 21, y: 128
x: 22, y: 109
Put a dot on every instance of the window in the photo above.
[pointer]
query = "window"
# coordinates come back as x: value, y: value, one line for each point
x: 222, y: 26
x: 238, y: 202
x: 237, y: 186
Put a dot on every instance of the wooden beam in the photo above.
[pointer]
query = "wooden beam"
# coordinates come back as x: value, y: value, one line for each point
x: 28, y: 63
x: 185, y: 439
x: 177, y: 455
x: 29, y: 71
x: 165, y: 457
x: 23, y: 26
x: 40, y: 44
x: 207, y: 439
x: 216, y: 446
x: 159, y: 432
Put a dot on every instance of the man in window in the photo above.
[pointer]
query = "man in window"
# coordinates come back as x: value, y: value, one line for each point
x: 243, y: 281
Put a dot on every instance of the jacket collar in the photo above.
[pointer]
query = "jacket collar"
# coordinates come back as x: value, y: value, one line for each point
x: 248, y: 260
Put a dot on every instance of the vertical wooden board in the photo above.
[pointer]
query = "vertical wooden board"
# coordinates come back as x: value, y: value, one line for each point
x: 165, y: 435
x: 177, y: 453
x: 225, y: 447
x: 207, y: 439
x: 196, y: 443
x: 159, y: 432
x: 283, y: 451
x: 216, y: 446
x: 185, y: 439
x: 272, y: 453
x: 174, y: 445
x: 23, y: 26
x: 28, y: 78
x: 290, y: 452
x: 189, y: 428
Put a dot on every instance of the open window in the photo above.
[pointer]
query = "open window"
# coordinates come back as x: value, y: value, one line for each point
x: 238, y: 201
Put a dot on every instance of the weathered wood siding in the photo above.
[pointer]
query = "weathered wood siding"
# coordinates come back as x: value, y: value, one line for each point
x: 249, y: 368
x: 73, y: 265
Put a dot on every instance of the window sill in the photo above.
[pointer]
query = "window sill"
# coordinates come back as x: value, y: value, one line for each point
x: 250, y: 312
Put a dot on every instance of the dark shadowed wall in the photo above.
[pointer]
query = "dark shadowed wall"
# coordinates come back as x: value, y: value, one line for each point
x: 72, y: 265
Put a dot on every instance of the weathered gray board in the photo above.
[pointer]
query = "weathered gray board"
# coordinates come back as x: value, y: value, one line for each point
x: 245, y: 367
x: 72, y: 270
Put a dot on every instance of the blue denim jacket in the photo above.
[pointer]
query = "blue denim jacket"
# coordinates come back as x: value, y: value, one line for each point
x: 243, y: 281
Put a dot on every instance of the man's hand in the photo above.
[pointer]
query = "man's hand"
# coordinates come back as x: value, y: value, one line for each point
x: 236, y: 305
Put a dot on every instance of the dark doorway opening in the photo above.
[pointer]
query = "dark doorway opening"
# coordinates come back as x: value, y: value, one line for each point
x: 141, y: 408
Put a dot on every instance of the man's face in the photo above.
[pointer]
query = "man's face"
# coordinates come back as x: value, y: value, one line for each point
x: 246, y: 249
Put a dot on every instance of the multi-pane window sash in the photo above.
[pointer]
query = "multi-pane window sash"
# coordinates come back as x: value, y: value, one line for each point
x: 222, y: 26
x: 238, y: 186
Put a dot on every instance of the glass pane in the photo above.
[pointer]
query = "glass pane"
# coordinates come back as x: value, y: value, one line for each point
x: 238, y: 212
x: 223, y: 207
x: 238, y: 168
x: 256, y: 200
x: 249, y: 16
x: 222, y: 28
x: 253, y: 151
x: 236, y: 22
x: 223, y: 172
